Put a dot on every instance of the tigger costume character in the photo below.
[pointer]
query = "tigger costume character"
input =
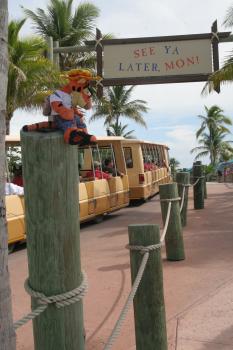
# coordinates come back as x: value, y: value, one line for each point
x: 66, y: 116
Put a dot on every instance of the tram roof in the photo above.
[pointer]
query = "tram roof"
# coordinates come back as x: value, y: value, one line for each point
x: 16, y: 139
x: 12, y: 139
x: 145, y: 142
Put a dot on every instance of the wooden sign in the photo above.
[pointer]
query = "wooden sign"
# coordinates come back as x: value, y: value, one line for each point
x: 158, y: 59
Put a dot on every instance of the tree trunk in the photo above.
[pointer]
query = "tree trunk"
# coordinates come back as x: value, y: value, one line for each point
x: 7, y: 126
x: 7, y: 334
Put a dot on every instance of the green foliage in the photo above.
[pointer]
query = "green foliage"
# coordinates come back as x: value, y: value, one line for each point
x: 225, y: 74
x: 209, y: 169
x: 226, y: 152
x: 120, y: 130
x: 14, y: 159
x: 30, y: 74
x: 67, y: 26
x: 174, y: 164
x: 211, y: 135
x: 117, y: 103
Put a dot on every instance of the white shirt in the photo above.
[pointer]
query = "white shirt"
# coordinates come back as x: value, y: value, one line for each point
x: 63, y: 97
x: 13, y: 189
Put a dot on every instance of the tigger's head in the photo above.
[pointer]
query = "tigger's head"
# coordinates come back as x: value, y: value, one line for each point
x: 79, y: 87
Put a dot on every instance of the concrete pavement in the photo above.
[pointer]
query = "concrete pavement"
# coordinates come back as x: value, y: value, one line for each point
x: 198, y: 291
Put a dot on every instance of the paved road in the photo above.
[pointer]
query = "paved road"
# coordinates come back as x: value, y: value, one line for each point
x: 198, y: 291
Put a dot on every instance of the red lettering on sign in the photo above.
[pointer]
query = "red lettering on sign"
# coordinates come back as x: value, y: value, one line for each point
x: 190, y: 60
x: 152, y: 51
x: 169, y: 66
x: 146, y: 51
x: 136, y: 53
x: 181, y: 63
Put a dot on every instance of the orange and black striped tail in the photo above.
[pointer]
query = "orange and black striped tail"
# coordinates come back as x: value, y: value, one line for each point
x: 39, y: 126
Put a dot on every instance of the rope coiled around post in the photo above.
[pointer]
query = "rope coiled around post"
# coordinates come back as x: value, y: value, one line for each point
x: 182, y: 201
x: 60, y: 300
x: 196, y: 182
x: 145, y: 251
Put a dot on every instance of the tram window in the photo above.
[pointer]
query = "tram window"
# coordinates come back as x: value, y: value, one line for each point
x: 96, y: 155
x: 107, y: 153
x: 128, y: 157
x: 160, y: 157
x: 80, y: 159
x: 155, y: 155
x: 13, y: 160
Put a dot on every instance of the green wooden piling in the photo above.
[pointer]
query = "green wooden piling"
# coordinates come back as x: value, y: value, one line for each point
x: 205, y: 187
x: 149, y: 308
x: 198, y: 189
x: 50, y: 169
x: 49, y: 40
x: 174, y: 237
x: 183, y: 179
x: 56, y: 57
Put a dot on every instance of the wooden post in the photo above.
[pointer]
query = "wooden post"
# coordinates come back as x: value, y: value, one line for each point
x: 56, y: 55
x: 99, y: 61
x: 198, y: 189
x: 205, y: 187
x: 215, y: 41
x: 174, y: 237
x: 49, y: 40
x: 183, y: 179
x: 149, y: 308
x: 50, y: 169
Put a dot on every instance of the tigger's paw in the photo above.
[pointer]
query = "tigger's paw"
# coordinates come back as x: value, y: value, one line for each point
x: 81, y: 138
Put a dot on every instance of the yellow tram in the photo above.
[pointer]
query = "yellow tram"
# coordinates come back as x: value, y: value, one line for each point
x: 135, y: 170
x: 147, y: 166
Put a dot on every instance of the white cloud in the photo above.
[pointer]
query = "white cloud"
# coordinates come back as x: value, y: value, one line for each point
x: 180, y: 141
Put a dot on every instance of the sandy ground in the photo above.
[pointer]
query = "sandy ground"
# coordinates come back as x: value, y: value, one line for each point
x: 198, y: 290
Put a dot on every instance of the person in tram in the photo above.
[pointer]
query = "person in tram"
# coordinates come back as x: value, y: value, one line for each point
x: 154, y: 164
x: 110, y: 169
x: 148, y: 164
x: 11, y: 188
x: 98, y: 173
x: 18, y: 176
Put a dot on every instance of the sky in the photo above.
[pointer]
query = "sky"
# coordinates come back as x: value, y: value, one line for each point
x: 173, y: 108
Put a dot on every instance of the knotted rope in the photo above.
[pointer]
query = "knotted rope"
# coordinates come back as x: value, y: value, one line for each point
x: 182, y: 201
x: 99, y: 82
x: 196, y: 182
x: 214, y: 36
x: 60, y: 300
x: 98, y: 43
x: 145, y: 251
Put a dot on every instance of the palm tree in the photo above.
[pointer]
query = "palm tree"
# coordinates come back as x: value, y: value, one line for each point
x: 116, y: 104
x: 213, y: 146
x: 174, y: 163
x: 119, y: 130
x: 225, y: 74
x: 7, y: 335
x: 29, y: 72
x: 212, y: 133
x: 226, y: 153
x: 66, y: 26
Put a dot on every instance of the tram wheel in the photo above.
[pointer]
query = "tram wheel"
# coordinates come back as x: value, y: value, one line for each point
x: 11, y: 248
x: 99, y: 219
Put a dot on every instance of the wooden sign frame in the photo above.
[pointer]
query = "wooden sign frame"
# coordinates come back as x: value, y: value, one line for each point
x: 214, y: 36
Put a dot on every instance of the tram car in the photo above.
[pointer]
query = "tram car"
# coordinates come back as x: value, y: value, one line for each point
x: 111, y: 173
x: 147, y: 166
